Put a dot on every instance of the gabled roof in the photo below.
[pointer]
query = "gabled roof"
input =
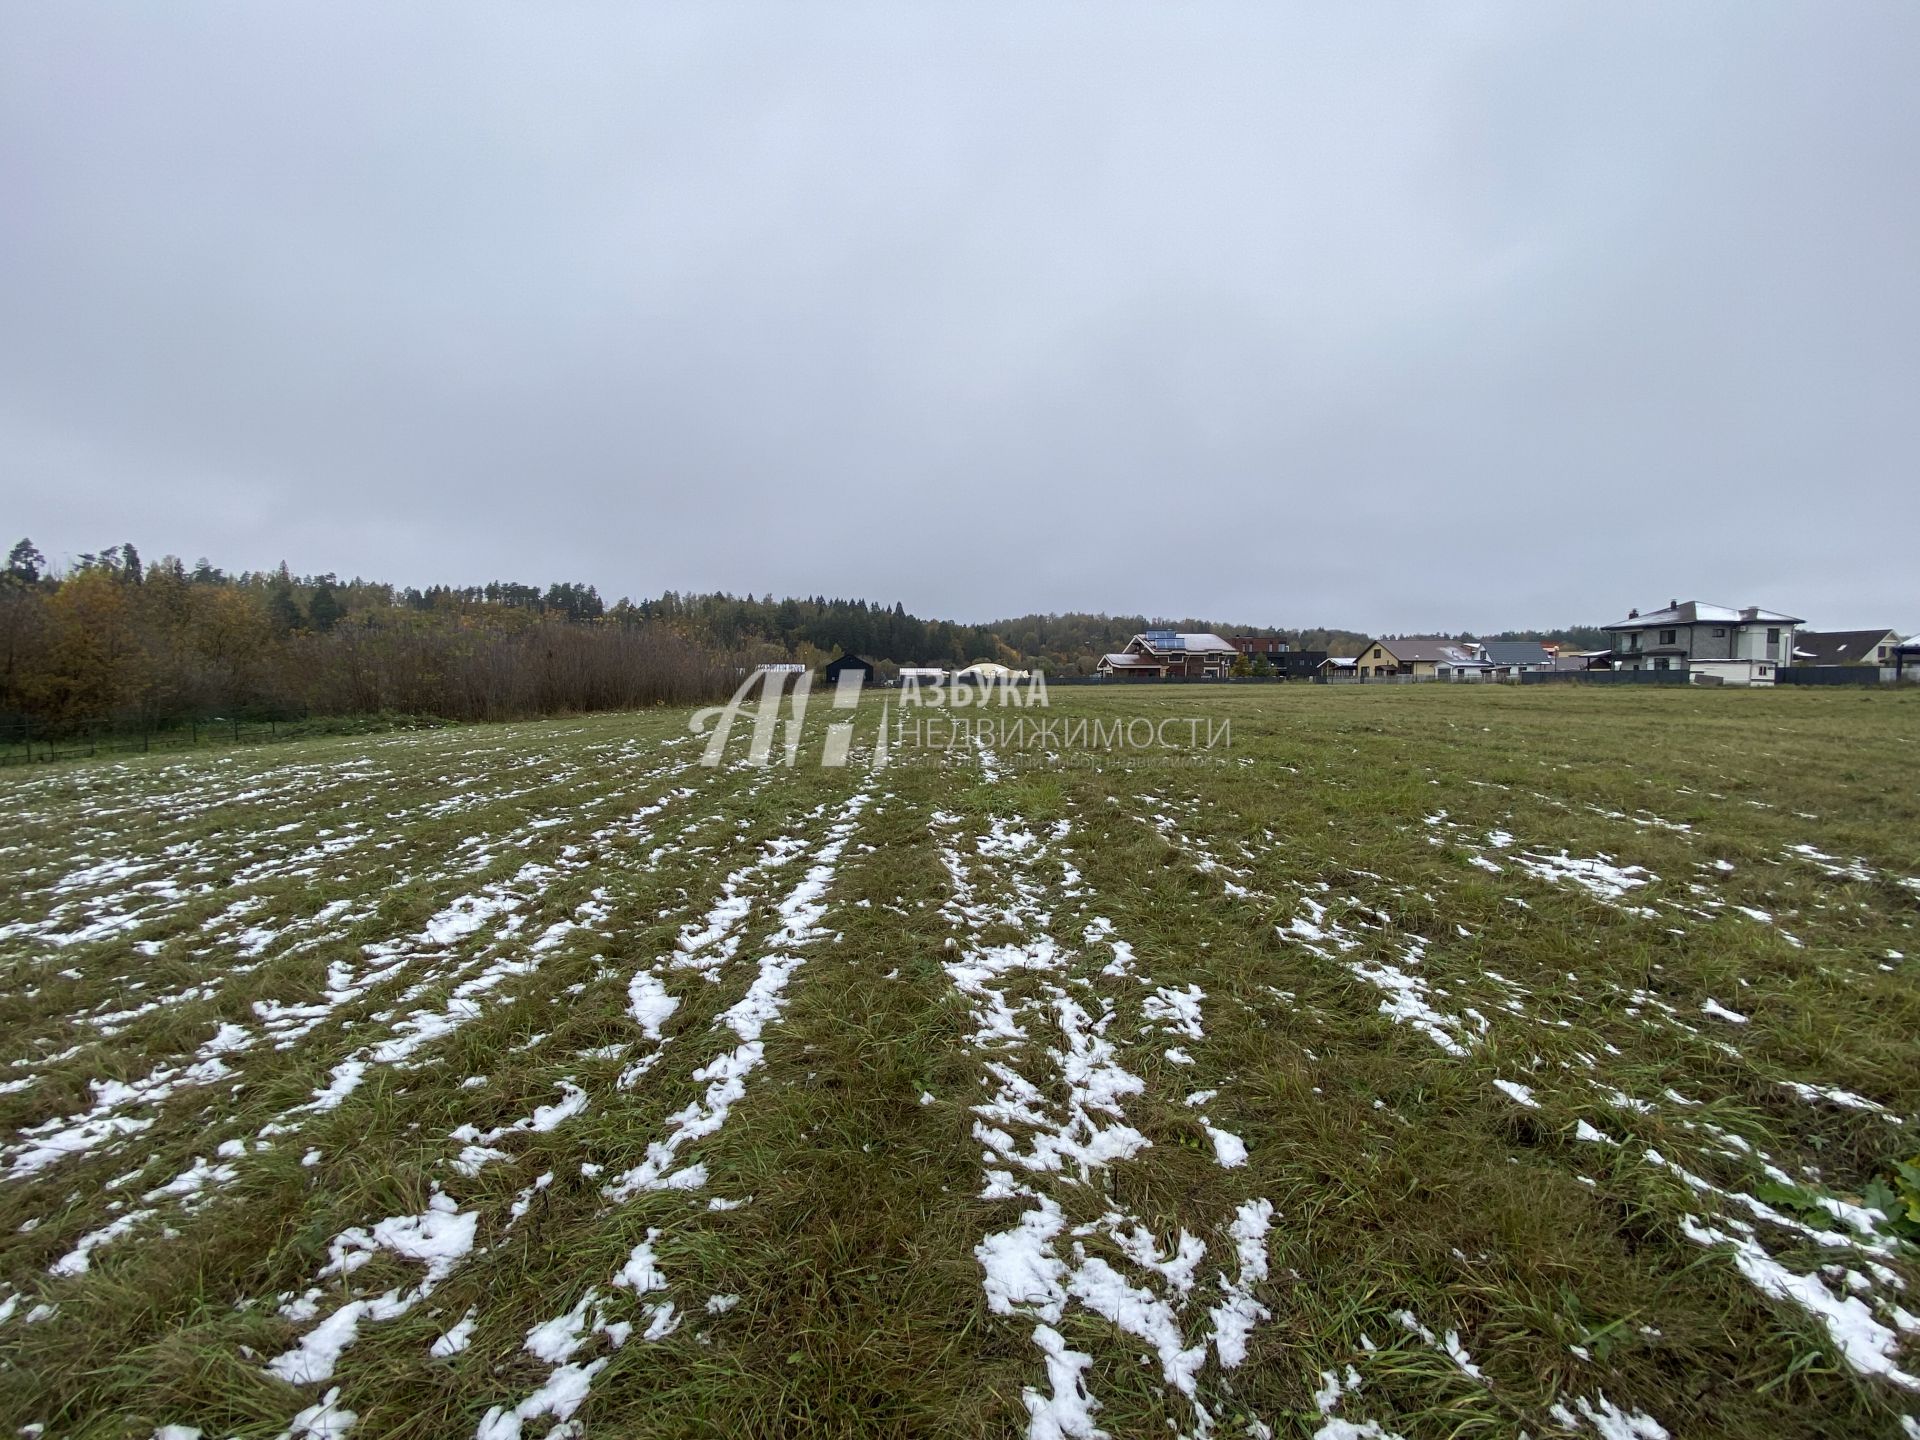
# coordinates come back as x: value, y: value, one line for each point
x: 1429, y: 650
x: 1698, y: 612
x: 1129, y: 661
x: 1516, y: 652
x: 1171, y: 642
x: 1839, y: 647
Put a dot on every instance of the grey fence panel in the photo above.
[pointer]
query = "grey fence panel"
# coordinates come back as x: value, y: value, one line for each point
x: 1604, y: 677
x: 1827, y: 675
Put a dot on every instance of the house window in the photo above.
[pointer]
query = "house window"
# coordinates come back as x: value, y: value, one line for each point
x: 1719, y: 632
x: 1766, y: 669
x: 1667, y: 637
x: 1882, y: 654
x: 1773, y: 637
x: 1663, y: 663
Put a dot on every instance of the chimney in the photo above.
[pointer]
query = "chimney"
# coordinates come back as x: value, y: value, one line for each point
x: 1750, y: 614
x: 1633, y: 614
x: 1673, y: 604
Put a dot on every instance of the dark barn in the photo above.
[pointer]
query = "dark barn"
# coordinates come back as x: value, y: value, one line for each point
x: 839, y: 667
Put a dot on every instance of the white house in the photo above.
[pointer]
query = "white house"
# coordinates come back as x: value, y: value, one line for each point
x: 1709, y: 642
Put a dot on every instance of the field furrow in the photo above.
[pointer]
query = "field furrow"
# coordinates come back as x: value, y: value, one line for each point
x: 1396, y: 1072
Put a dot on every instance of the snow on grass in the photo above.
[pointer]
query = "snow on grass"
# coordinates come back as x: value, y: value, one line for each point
x: 61, y: 1138
x: 799, y: 915
x: 1597, y: 875
x: 457, y: 1338
x: 479, y: 1147
x: 1845, y: 1099
x: 439, y: 1238
x: 649, y: 1003
x: 1608, y: 1420
x: 1518, y: 1093
x: 1068, y: 1128
x: 559, y: 1341
x: 191, y: 1188
x: 325, y: 1419
x: 1408, y: 996
x: 1870, y: 1347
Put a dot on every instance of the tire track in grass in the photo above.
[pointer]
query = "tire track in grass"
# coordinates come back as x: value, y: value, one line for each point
x: 799, y: 915
x: 439, y: 940
x: 257, y: 882
x: 444, y: 1235
x: 228, y: 853
x: 1051, y: 1155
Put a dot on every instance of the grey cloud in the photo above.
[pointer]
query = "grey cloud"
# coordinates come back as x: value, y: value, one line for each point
x: 1351, y: 316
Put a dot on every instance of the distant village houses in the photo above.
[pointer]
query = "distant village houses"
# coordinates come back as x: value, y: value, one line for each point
x: 1692, y: 643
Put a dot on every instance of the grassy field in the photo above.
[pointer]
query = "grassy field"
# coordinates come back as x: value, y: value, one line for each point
x: 1423, y: 1062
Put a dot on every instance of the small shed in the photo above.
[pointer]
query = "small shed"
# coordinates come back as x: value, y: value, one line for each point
x: 848, y: 663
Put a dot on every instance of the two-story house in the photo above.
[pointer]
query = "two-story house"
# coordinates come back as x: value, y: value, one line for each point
x: 1712, y: 642
x: 1170, y: 654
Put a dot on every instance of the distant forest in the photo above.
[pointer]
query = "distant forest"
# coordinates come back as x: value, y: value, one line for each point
x: 113, y: 638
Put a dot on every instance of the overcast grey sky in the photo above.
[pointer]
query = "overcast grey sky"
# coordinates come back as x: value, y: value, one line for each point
x: 1380, y: 316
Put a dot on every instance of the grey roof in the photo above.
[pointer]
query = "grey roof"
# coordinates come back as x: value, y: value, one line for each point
x: 1183, y: 641
x: 1516, y: 652
x: 1698, y: 612
x: 1424, y: 649
x: 1840, y: 647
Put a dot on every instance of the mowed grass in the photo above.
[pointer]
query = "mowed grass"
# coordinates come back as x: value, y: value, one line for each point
x: 1653, y: 915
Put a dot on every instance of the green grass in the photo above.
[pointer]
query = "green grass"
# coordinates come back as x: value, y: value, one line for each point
x: 1401, y: 1177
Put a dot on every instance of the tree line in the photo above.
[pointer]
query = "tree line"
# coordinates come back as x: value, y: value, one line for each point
x: 114, y: 638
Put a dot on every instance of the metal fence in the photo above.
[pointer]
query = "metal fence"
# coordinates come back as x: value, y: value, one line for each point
x: 25, y: 742
x: 1603, y: 677
x: 1831, y: 675
x: 1116, y: 682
